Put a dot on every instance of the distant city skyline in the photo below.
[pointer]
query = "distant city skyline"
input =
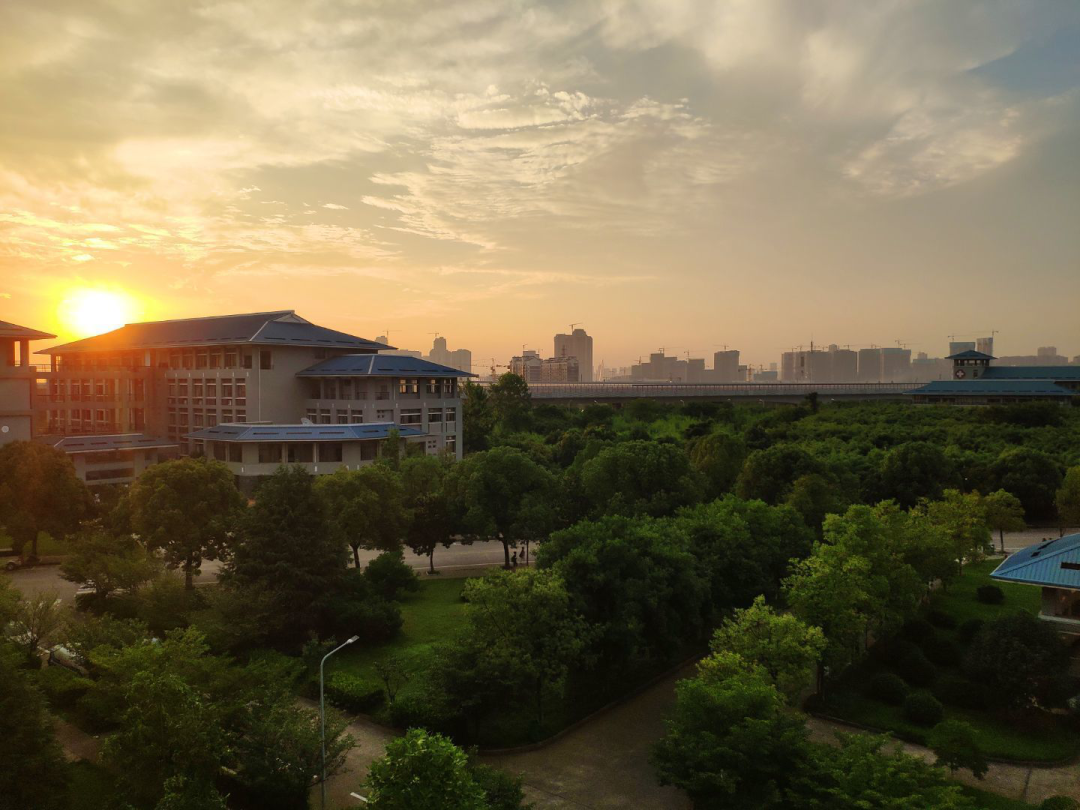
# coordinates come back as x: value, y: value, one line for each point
x: 681, y: 174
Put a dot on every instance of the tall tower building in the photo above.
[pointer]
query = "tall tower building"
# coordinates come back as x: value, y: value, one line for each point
x: 726, y: 366
x: 579, y: 345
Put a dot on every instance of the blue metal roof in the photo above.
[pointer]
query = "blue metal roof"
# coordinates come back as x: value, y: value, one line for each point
x: 970, y: 354
x: 380, y: 365
x: 1054, y: 562
x: 283, y: 327
x: 243, y: 432
x: 1032, y: 373
x: 13, y: 330
x: 983, y: 387
x: 119, y: 441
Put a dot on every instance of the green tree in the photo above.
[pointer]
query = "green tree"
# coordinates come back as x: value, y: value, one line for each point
x: 718, y: 458
x: 423, y: 770
x: 286, y: 549
x: 1005, y: 513
x: 477, y: 417
x: 504, y: 494
x: 182, y: 793
x: 34, y: 773
x: 511, y: 402
x: 1030, y: 475
x: 424, y: 482
x: 524, y: 622
x: 920, y: 542
x: 36, y: 618
x: 188, y: 508
x: 916, y: 470
x: 39, y: 492
x: 730, y: 741
x: 768, y: 474
x: 1019, y: 657
x: 785, y: 647
x: 1067, y: 499
x: 963, y: 518
x: 640, y: 478
x: 364, y: 508
x: 814, y: 496
x: 860, y: 773
x: 956, y: 746
x: 111, y: 562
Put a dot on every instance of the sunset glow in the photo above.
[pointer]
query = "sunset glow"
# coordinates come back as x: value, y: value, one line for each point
x: 93, y: 311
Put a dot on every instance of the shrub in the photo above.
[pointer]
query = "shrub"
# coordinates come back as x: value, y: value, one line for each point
x: 1021, y: 658
x: 358, y: 610
x: 941, y: 651
x: 62, y: 687
x: 963, y: 693
x: 939, y: 618
x: 916, y: 629
x: 969, y: 629
x: 888, y: 688
x: 1059, y: 803
x: 501, y: 790
x: 390, y: 576
x: 990, y: 594
x: 892, y: 650
x: 353, y: 694
x: 916, y: 669
x: 923, y: 709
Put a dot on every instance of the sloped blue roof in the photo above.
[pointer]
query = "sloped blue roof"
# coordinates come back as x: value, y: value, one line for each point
x: 119, y: 441
x: 1032, y: 373
x: 970, y: 354
x: 983, y: 387
x: 380, y: 365
x: 1054, y: 562
x: 243, y: 432
x: 283, y: 327
x: 13, y: 330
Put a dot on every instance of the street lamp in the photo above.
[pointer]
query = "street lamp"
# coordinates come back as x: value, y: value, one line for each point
x: 322, y: 717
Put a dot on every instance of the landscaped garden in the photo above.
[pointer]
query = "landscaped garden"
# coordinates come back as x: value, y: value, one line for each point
x: 909, y: 683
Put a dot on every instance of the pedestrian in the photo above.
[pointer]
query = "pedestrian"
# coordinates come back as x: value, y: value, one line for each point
x: 513, y: 560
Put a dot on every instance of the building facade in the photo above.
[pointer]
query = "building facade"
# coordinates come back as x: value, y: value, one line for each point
x: 461, y: 359
x: 577, y: 344
x: 18, y: 382
x: 976, y: 381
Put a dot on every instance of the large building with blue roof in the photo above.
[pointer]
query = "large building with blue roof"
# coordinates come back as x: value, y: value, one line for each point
x: 975, y: 381
x: 186, y: 380
x: 1054, y: 566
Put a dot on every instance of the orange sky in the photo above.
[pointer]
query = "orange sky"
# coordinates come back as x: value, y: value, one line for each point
x: 669, y: 173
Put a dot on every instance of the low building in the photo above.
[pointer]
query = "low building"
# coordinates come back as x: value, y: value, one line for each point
x: 18, y: 381
x: 254, y: 451
x: 1054, y: 566
x: 119, y: 459
x: 976, y: 381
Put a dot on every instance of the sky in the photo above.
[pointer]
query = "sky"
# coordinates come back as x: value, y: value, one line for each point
x: 668, y: 173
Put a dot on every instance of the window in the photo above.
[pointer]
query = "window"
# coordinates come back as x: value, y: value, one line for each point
x: 411, y: 416
x: 199, y: 420
x: 226, y: 415
x: 197, y: 389
x: 266, y: 359
x: 200, y: 360
x: 447, y: 386
x: 451, y: 414
x: 330, y: 451
x: 182, y: 388
x: 211, y: 420
x: 343, y: 417
x: 356, y: 417
x: 434, y: 415
x: 211, y: 389
x: 384, y: 416
x: 270, y: 453
x: 172, y: 388
x: 188, y: 360
x: 451, y: 444
x: 369, y: 451
x: 433, y: 386
x: 236, y: 453
x: 301, y: 452
x: 324, y: 416
x: 241, y: 416
x: 313, y: 415
x: 230, y: 358
x: 226, y: 392
x: 241, y: 392
x: 215, y: 359
x: 247, y: 360
x: 220, y: 451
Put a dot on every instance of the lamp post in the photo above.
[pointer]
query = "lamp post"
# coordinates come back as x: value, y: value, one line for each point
x: 322, y: 717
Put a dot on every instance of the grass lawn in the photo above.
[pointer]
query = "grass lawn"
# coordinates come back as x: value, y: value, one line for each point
x: 432, y: 614
x: 991, y: 801
x: 1036, y: 737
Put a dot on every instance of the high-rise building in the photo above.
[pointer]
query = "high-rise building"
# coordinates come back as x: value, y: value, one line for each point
x: 869, y: 369
x: 534, y: 369
x: 580, y: 345
x: 726, y: 366
x: 833, y: 365
x: 895, y: 364
x: 958, y: 346
x: 460, y: 359
x: 985, y: 345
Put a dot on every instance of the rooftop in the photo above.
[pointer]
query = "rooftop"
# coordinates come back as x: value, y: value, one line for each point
x: 970, y: 354
x: 245, y: 432
x: 1032, y: 373
x: 983, y: 387
x: 1054, y: 562
x: 16, y: 332
x: 119, y: 441
x: 380, y: 365
x: 283, y: 327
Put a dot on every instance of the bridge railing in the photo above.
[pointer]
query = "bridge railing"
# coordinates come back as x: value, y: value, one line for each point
x: 631, y: 390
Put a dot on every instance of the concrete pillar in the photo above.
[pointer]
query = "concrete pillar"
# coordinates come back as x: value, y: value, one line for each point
x: 24, y: 352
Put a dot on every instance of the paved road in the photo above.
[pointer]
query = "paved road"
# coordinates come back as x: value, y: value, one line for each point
x: 458, y: 559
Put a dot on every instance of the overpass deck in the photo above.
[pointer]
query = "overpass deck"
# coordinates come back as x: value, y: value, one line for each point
x: 778, y: 391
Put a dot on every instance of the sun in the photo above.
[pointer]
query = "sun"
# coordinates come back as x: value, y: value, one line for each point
x: 90, y: 311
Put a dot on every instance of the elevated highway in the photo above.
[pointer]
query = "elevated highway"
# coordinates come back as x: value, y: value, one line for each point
x: 778, y: 392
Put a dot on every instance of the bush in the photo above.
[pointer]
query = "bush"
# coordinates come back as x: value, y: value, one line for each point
x: 923, y: 709
x: 916, y: 669
x: 62, y: 687
x: 390, y: 576
x: 939, y: 618
x: 916, y: 630
x: 990, y: 594
x: 969, y: 629
x: 353, y: 694
x: 1059, y: 803
x: 963, y: 693
x: 892, y: 650
x: 888, y: 688
x: 941, y: 651
x: 502, y: 791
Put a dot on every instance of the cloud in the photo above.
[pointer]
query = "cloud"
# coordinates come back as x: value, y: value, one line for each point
x: 335, y: 206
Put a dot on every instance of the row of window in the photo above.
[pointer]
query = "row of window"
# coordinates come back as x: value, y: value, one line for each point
x: 200, y: 419
x: 233, y: 392
x: 99, y: 390
x: 228, y: 357
x: 346, y: 389
x: 407, y: 416
x: 300, y: 452
x: 89, y: 419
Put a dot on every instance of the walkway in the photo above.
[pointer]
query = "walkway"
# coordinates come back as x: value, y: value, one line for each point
x: 1032, y: 785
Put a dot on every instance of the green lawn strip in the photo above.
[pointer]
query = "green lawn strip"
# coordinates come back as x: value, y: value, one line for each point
x: 90, y: 787
x: 985, y: 800
x: 1043, y: 739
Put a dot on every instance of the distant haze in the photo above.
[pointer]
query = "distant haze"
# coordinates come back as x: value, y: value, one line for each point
x: 669, y: 174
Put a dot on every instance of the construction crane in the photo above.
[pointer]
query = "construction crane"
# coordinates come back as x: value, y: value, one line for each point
x: 436, y: 334
x: 573, y: 325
